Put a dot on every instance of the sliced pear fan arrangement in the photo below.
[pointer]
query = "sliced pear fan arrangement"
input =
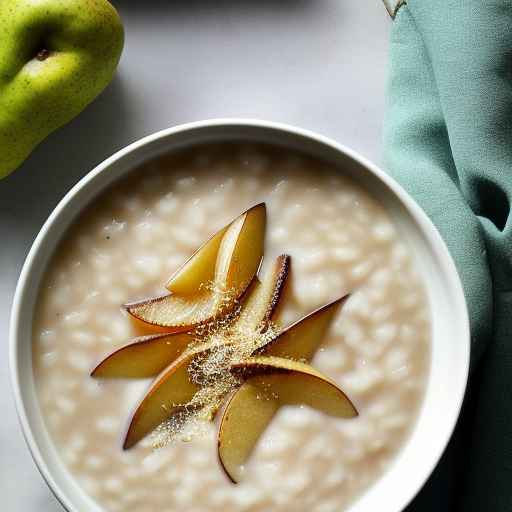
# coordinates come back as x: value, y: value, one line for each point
x: 220, y: 338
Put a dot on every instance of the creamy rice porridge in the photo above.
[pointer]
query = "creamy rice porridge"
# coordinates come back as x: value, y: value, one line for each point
x: 131, y: 239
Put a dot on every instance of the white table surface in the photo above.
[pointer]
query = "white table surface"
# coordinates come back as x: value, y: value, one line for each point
x: 316, y: 64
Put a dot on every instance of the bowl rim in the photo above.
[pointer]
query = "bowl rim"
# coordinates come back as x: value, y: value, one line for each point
x: 419, y: 216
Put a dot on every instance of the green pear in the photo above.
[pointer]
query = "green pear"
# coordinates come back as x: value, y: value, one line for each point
x: 56, y: 56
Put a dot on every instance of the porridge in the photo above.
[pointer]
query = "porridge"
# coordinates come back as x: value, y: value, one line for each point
x: 141, y: 231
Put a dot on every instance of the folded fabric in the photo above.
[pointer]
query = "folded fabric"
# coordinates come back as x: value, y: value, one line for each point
x: 448, y: 141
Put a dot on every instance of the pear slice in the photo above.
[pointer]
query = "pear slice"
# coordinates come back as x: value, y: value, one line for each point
x: 238, y: 259
x: 295, y: 383
x: 246, y: 407
x: 241, y: 251
x: 302, y: 339
x: 145, y: 356
x: 247, y: 414
x: 169, y: 394
x: 174, y: 313
x: 199, y: 269
x: 270, y: 383
x: 263, y: 297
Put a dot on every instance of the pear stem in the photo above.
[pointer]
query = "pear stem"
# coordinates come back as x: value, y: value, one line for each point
x: 43, y: 54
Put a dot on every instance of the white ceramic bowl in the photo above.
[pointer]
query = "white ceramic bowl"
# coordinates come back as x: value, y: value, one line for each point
x: 450, y: 337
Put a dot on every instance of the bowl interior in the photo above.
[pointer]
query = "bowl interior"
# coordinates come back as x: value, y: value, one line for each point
x: 450, y: 334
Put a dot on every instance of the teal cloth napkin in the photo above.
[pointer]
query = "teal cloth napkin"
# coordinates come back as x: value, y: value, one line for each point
x: 448, y: 141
